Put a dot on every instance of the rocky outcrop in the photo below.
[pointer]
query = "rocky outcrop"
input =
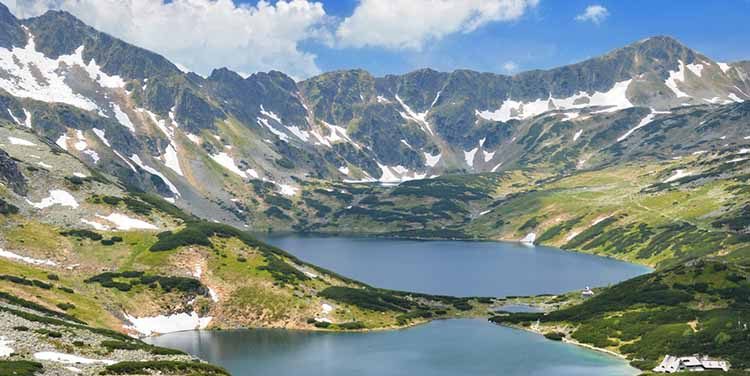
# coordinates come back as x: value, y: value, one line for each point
x: 10, y: 175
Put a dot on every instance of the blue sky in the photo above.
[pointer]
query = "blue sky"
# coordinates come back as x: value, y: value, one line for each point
x: 549, y: 36
x: 306, y: 37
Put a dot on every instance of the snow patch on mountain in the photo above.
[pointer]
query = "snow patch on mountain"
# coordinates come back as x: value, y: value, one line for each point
x: 171, y: 160
x: 95, y: 225
x: 420, y: 118
x: 226, y: 161
x: 577, y: 135
x: 320, y: 140
x: 20, y: 141
x: 122, y: 117
x: 264, y: 122
x: 437, y: 97
x: 735, y: 98
x: 488, y: 155
x: 81, y: 143
x: 674, y: 77
x: 137, y: 160
x: 697, y: 69
x: 397, y: 174
x: 62, y: 142
x: 56, y: 197
x: 339, y: 134
x: 645, y: 121
x: 27, y: 121
x: 678, y: 174
x: 170, y: 157
x: 52, y: 356
x: 301, y: 134
x: 614, y: 99
x: 193, y: 138
x: 125, y: 223
x: 124, y: 160
x: 100, y: 133
x: 27, y: 73
x: 469, y: 156
x: 270, y: 114
x: 29, y: 260
x: 168, y: 323
x: 287, y: 190
x: 5, y: 349
x: 432, y: 160
x: 15, y: 119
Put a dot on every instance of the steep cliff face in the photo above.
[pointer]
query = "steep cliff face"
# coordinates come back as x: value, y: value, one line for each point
x: 10, y: 175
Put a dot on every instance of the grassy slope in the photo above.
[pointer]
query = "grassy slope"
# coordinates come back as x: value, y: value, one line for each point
x: 31, y: 328
x: 701, y: 307
x: 257, y: 285
x: 623, y: 219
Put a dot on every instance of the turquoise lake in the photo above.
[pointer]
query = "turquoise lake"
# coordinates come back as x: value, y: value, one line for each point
x: 447, y: 347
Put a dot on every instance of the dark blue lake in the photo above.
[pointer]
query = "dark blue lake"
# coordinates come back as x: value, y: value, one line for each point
x: 458, y: 268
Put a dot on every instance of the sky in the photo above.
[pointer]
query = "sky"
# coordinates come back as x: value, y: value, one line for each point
x: 306, y: 37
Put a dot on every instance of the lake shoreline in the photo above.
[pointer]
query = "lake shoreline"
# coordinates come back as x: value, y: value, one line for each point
x: 539, y: 332
x: 479, y: 325
x: 396, y: 236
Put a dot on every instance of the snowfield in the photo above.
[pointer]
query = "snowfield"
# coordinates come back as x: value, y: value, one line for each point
x: 419, y: 118
x: 287, y: 190
x: 52, y: 356
x: 123, y: 118
x: 5, y: 350
x: 20, y: 141
x: 530, y: 238
x: 432, y: 160
x: 135, y: 158
x: 678, y: 174
x: 577, y: 135
x: 674, y: 77
x: 168, y: 324
x: 469, y: 156
x: 397, y: 174
x: 614, y: 99
x: 28, y: 260
x: 226, y: 161
x: 56, y: 197
x: 125, y: 223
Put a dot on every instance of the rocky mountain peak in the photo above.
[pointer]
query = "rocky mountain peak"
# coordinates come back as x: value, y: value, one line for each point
x: 11, y: 33
x: 224, y: 75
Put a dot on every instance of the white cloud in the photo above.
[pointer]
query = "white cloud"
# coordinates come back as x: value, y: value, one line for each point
x: 510, y: 67
x: 205, y: 34
x: 410, y: 24
x: 594, y: 13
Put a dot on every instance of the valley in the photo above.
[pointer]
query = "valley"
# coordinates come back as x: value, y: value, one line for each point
x: 139, y: 199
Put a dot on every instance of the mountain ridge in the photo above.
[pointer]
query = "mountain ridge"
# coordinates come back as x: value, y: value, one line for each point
x: 346, y: 125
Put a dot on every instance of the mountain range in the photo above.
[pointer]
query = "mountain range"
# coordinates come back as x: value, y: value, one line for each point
x: 203, y: 142
x: 126, y: 184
